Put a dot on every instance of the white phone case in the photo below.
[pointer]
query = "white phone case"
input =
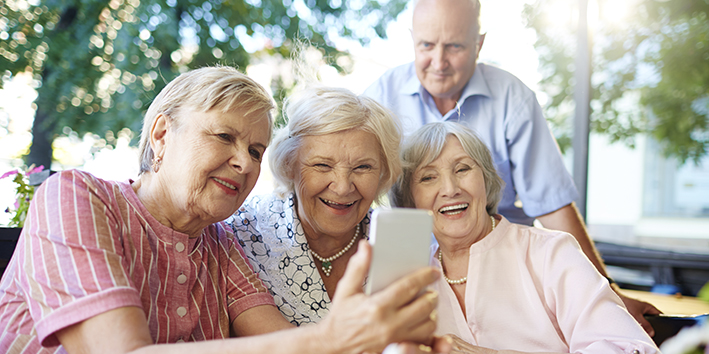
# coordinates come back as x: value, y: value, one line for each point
x: 401, y: 241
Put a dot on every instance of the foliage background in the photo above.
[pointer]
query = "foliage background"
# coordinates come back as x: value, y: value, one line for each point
x: 650, y: 71
x: 97, y: 65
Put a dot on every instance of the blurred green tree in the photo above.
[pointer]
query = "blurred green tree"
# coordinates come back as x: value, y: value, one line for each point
x: 650, y: 70
x: 97, y: 64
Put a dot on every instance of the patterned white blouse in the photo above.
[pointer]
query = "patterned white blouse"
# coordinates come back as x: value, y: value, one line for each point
x: 272, y: 237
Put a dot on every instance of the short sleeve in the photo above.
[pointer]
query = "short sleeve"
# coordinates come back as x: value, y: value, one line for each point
x: 540, y: 177
x: 244, y: 289
x: 72, y: 266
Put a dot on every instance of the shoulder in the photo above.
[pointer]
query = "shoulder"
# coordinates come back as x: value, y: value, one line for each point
x: 77, y: 184
x: 391, y: 81
x: 543, y: 241
x: 259, y: 208
x: 502, y: 81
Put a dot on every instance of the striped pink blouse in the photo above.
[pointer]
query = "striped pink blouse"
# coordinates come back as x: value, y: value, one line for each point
x: 90, y: 246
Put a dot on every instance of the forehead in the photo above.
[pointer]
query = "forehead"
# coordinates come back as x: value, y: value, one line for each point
x: 445, y: 20
x: 451, y: 152
x: 255, y: 125
x: 346, y: 145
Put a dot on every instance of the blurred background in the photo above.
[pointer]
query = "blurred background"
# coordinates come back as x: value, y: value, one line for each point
x: 77, y: 78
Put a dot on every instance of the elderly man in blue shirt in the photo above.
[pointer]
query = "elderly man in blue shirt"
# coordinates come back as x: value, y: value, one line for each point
x: 445, y: 82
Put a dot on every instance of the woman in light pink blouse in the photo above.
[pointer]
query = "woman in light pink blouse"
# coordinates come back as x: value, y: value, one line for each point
x: 505, y: 287
x: 146, y: 265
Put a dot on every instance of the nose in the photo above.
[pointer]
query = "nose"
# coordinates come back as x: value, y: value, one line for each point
x: 341, y: 182
x: 242, y: 162
x: 439, y: 61
x: 449, y: 186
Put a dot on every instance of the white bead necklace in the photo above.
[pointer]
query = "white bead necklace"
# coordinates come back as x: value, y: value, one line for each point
x: 440, y: 260
x: 327, y: 262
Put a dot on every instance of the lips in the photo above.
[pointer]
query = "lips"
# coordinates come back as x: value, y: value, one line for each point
x: 454, y: 209
x: 232, y: 187
x: 336, y: 205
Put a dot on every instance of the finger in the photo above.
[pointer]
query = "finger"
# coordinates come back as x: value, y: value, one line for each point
x: 356, y: 271
x: 411, y: 348
x: 404, y: 290
x: 646, y: 326
x: 422, y: 333
x: 442, y: 344
x: 650, y: 309
x: 421, y: 310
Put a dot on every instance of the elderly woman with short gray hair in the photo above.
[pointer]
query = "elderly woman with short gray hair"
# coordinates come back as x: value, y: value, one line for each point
x: 505, y: 287
x: 337, y: 155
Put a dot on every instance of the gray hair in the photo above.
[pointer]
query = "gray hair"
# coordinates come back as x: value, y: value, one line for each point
x: 319, y: 110
x: 426, y: 144
x: 221, y: 87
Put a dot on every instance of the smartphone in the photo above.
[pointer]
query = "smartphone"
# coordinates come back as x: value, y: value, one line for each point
x: 401, y: 243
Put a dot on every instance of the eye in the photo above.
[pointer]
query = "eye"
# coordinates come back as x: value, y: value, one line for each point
x: 463, y: 168
x: 322, y: 167
x: 225, y: 137
x: 256, y: 154
x: 426, y: 178
x: 363, y: 167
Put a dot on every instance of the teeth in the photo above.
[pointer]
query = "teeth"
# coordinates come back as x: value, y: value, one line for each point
x: 225, y: 183
x: 453, y: 207
x: 335, y: 203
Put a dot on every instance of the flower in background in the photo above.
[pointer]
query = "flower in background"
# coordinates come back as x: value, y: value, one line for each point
x: 24, y: 193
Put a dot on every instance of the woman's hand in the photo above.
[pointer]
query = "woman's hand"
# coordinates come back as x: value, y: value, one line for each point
x: 638, y: 309
x: 359, y: 323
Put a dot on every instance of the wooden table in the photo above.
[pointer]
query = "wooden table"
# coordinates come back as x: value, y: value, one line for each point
x: 671, y: 304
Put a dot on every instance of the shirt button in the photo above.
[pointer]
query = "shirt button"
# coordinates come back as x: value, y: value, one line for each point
x: 181, y: 311
x: 181, y: 278
x: 180, y: 246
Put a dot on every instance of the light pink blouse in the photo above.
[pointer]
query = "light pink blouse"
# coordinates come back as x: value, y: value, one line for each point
x: 532, y: 290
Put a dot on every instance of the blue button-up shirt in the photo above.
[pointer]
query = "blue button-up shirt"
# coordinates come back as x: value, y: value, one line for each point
x: 507, y: 117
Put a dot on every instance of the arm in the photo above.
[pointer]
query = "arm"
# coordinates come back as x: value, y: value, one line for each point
x: 357, y: 323
x: 568, y: 219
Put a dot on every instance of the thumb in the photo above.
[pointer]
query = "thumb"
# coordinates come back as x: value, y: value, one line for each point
x: 356, y: 272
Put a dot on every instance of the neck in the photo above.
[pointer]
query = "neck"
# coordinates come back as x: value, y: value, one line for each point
x: 455, y: 248
x: 158, y: 204
x: 446, y: 104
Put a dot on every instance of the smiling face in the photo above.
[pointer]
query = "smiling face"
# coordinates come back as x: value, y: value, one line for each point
x: 453, y: 187
x: 446, y: 42
x: 336, y: 180
x: 211, y: 162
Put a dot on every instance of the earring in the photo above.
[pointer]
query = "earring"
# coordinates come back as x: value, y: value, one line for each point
x: 157, y: 161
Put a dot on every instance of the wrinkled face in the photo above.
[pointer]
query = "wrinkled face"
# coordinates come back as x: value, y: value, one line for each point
x: 336, y: 180
x: 453, y: 187
x: 446, y: 45
x: 211, y: 161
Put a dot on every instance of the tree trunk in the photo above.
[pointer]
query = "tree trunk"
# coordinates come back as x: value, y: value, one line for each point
x: 42, y: 136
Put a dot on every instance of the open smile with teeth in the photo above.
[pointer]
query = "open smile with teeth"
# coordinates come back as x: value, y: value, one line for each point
x: 228, y: 185
x: 453, y: 209
x: 336, y: 205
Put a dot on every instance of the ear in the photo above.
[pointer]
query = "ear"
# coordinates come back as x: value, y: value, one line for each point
x: 481, y: 40
x: 158, y: 134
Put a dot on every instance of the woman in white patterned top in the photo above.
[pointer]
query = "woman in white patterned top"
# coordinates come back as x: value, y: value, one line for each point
x: 337, y: 155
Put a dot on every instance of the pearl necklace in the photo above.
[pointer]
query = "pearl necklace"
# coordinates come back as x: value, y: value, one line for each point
x: 440, y: 260
x: 327, y: 262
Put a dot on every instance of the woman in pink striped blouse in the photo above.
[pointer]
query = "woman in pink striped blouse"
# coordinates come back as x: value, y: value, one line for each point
x: 119, y: 267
